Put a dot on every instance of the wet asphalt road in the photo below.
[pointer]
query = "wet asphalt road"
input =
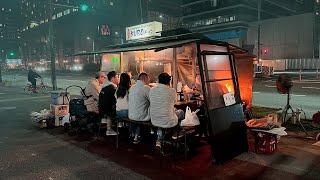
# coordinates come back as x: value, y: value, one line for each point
x: 29, y: 153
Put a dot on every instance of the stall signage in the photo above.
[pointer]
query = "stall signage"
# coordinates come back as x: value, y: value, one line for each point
x: 142, y: 31
x: 229, y: 99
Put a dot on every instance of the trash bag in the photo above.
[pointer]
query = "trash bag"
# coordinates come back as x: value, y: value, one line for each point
x: 191, y: 118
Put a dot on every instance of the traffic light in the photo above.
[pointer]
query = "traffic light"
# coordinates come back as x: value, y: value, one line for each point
x: 84, y: 7
x: 11, y: 53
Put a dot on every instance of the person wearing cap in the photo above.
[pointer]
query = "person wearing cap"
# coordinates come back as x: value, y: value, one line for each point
x: 107, y: 101
x: 92, y: 92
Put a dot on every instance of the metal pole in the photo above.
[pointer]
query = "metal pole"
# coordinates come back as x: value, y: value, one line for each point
x: 0, y: 70
x: 1, y: 60
x: 51, y: 47
x: 259, y: 29
x: 141, y: 16
x: 94, y: 55
x: 300, y: 71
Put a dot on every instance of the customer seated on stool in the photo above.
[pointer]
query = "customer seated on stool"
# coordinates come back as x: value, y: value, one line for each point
x: 107, y: 101
x: 122, y: 95
x: 162, y: 101
x: 92, y: 91
x: 139, y: 104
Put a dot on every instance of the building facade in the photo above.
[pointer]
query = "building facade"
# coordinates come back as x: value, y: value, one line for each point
x: 74, y: 31
x: 9, y: 30
x: 236, y: 21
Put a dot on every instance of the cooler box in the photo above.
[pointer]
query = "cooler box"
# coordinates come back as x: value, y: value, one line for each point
x: 60, y: 98
x: 59, y: 110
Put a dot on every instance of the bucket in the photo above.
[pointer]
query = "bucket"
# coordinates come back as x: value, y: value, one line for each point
x: 60, y: 97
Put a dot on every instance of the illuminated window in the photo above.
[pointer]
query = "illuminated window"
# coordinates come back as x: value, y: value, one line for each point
x: 59, y: 14
x: 66, y: 12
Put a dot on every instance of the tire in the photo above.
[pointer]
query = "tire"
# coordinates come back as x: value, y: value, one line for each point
x: 318, y: 137
x: 66, y: 127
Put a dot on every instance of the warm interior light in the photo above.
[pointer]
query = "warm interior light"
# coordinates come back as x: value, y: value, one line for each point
x: 229, y: 87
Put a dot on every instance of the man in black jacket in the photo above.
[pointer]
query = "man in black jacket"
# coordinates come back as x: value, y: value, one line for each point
x: 107, y: 101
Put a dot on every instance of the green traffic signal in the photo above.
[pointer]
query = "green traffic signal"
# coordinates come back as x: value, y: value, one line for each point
x: 11, y: 54
x: 84, y: 7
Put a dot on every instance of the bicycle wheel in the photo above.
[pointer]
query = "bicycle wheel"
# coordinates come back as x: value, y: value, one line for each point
x: 43, y: 89
x: 27, y: 89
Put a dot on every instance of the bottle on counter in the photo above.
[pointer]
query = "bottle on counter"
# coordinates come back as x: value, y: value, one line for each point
x: 182, y: 98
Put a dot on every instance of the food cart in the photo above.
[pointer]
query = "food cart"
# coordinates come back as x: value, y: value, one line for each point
x: 221, y: 72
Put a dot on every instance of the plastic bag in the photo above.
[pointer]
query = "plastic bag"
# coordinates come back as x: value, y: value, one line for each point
x: 191, y: 118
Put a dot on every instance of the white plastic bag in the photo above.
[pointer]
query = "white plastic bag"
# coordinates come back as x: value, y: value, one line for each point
x: 191, y: 118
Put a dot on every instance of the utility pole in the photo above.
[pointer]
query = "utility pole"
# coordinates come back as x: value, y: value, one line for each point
x: 259, y: 30
x: 141, y: 13
x: 51, y: 48
x: 93, y: 49
x: 0, y: 70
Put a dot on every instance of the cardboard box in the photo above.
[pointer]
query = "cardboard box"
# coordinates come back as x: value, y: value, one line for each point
x: 59, y: 110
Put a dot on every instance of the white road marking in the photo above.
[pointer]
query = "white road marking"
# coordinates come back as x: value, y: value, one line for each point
x: 298, y: 95
x: 2, y: 93
x: 270, y: 81
x: 256, y: 92
x: 23, y: 99
x: 7, y: 108
x: 310, y: 87
x: 270, y: 86
x: 307, y: 82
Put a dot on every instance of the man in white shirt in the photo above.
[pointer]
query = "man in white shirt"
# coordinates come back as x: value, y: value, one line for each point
x: 162, y: 101
x: 139, y: 103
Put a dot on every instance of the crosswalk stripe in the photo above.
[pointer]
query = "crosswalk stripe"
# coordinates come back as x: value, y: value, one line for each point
x: 7, y: 108
x: 23, y: 99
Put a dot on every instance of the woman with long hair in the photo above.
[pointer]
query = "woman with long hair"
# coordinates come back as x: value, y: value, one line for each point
x: 122, y: 95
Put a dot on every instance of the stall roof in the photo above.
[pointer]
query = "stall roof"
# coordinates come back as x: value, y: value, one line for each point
x: 163, y: 43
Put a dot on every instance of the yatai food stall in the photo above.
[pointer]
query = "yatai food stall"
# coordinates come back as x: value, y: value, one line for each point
x: 199, y: 64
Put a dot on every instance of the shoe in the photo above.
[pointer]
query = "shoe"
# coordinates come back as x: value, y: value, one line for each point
x: 158, y: 144
x: 111, y: 132
x: 151, y: 131
x: 137, y: 140
x: 175, y: 135
x: 103, y: 121
x: 120, y: 124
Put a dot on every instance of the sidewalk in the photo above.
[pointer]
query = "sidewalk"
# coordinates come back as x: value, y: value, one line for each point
x: 295, y: 159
